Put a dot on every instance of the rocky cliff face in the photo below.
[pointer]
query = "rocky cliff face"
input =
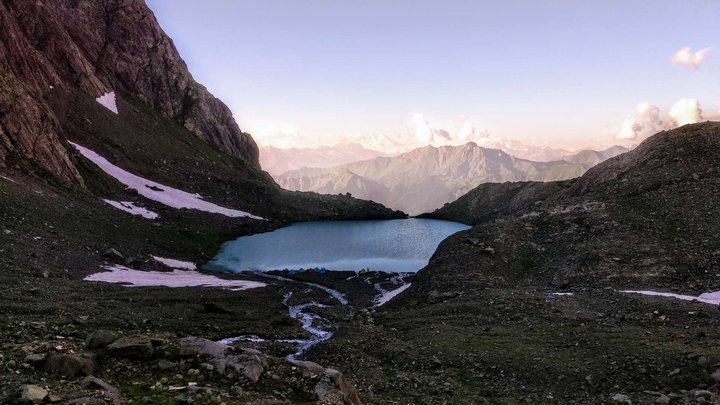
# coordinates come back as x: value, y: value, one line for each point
x: 120, y: 48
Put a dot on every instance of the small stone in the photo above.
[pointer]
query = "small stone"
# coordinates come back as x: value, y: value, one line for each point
x: 54, y: 398
x: 165, y: 365
x: 193, y: 371
x: 33, y: 393
x: 662, y: 400
x: 99, y: 339
x: 35, y: 359
x: 702, y: 361
x: 113, y: 254
x: 674, y: 372
x: 716, y: 376
x: 703, y: 394
x: 621, y: 399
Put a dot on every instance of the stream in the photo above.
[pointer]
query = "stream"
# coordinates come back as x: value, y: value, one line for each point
x: 310, y: 320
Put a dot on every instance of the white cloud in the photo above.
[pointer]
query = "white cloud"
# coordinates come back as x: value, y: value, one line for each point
x: 686, y: 111
x: 650, y: 119
x: 418, y: 133
x: 689, y: 59
x: 421, y: 133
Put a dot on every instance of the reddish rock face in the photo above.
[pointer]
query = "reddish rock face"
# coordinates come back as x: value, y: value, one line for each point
x: 96, y: 46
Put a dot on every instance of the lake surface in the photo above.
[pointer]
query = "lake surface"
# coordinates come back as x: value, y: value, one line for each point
x: 400, y: 245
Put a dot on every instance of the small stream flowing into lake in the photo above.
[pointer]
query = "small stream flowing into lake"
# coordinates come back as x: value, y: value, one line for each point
x: 306, y: 318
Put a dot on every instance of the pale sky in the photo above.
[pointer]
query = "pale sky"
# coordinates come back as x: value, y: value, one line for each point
x: 564, y: 73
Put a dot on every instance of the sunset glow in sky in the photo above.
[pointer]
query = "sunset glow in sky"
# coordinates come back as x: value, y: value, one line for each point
x: 383, y: 72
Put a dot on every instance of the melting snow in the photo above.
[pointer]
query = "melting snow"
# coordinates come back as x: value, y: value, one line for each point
x: 562, y: 294
x: 108, y: 101
x: 175, y: 264
x: 158, y: 192
x: 177, y: 278
x: 387, y: 296
x: 128, y: 206
x: 707, y: 298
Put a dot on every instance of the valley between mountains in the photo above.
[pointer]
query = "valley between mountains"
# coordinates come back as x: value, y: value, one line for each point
x: 115, y: 161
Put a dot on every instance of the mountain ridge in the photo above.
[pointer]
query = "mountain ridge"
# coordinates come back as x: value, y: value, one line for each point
x: 428, y: 177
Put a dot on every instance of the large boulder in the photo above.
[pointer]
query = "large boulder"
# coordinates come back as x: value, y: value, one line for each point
x: 100, y: 339
x: 191, y: 346
x: 33, y: 394
x: 332, y: 388
x: 70, y: 365
x: 248, y: 362
x: 133, y: 347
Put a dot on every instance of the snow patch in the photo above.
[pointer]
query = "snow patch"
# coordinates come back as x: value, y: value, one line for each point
x: 107, y: 100
x: 158, y: 192
x: 243, y: 338
x: 175, y: 264
x: 177, y: 278
x: 128, y: 206
x: 387, y: 296
x: 563, y: 294
x: 707, y: 298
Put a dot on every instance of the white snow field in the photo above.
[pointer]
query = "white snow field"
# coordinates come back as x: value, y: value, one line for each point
x: 159, y: 192
x: 174, y: 279
x: 707, y: 298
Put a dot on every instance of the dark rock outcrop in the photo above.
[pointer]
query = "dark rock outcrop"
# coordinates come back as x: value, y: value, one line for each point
x: 120, y: 48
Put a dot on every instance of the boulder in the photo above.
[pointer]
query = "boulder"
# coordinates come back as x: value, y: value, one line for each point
x: 33, y: 393
x: 133, y: 347
x: 333, y: 388
x: 249, y: 363
x: 109, y: 391
x: 191, y: 346
x: 309, y: 369
x: 99, y: 339
x: 35, y: 359
x: 70, y: 365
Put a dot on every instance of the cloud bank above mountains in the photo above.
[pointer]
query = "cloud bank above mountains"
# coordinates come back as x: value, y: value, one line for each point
x: 650, y: 119
x: 417, y: 132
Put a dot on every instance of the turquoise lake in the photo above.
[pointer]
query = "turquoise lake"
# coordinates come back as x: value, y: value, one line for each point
x: 401, y: 245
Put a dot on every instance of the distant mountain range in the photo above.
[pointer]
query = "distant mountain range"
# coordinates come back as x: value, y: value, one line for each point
x: 426, y: 178
x: 278, y: 161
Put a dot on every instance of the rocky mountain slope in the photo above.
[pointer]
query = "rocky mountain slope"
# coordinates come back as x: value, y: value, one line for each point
x: 121, y: 49
x: 426, y: 178
x: 157, y: 143
x: 531, y: 304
